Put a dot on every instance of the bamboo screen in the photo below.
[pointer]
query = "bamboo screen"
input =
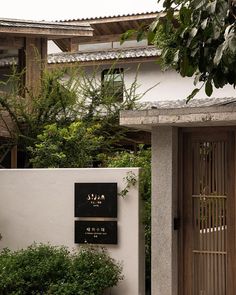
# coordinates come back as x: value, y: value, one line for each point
x: 209, y: 217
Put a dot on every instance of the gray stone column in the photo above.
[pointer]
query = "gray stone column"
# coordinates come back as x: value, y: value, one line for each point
x: 164, y: 209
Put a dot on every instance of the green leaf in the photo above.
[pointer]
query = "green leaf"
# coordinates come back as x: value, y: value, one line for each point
x: 154, y: 25
x: 127, y: 35
x: 208, y: 88
x: 140, y: 35
x: 232, y: 44
x: 193, y: 93
x: 204, y: 24
x: 200, y: 4
x: 176, y: 57
x: 211, y: 7
x: 151, y: 36
x: 184, y: 66
x: 193, y: 32
x: 170, y: 14
x: 219, y: 54
x: 228, y: 30
x: 197, y: 78
x: 184, y: 15
x: 194, y: 52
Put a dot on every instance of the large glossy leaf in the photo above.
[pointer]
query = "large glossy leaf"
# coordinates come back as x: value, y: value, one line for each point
x: 208, y: 88
x: 193, y: 93
x: 205, y: 36
x: 219, y: 53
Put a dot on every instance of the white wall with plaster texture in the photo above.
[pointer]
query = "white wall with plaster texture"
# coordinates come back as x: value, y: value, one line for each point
x: 37, y: 205
x: 171, y: 86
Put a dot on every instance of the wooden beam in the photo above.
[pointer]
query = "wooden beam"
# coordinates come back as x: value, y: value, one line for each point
x: 14, y: 157
x: 68, y: 44
x: 99, y: 38
x: 11, y: 42
x: 44, y: 32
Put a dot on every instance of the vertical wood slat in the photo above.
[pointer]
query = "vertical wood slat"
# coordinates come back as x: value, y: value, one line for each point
x: 230, y: 219
x: 187, y: 217
x: 209, y: 218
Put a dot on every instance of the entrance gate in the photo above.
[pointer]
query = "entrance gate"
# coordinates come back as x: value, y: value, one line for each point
x: 208, y: 210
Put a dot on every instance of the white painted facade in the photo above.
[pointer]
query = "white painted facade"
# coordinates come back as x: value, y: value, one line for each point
x: 37, y: 205
x: 171, y: 86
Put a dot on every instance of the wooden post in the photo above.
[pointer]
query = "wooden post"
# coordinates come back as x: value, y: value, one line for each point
x: 14, y: 157
x: 33, y: 60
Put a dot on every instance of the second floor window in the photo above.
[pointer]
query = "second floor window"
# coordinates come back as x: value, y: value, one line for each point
x: 113, y: 81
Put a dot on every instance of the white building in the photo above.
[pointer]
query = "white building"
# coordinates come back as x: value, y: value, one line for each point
x: 180, y: 135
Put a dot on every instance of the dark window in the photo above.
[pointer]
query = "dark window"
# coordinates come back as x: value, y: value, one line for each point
x: 113, y: 81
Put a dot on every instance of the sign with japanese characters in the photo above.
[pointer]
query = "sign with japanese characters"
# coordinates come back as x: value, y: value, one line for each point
x: 96, y: 200
x: 95, y: 232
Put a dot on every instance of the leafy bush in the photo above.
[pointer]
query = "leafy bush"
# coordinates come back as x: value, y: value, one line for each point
x: 142, y: 158
x: 66, y: 97
x: 71, y: 146
x: 45, y: 269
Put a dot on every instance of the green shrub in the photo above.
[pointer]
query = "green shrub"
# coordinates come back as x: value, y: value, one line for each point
x: 45, y: 269
x: 142, y: 159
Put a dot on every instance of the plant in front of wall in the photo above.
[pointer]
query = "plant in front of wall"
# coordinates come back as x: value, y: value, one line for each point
x: 130, y: 181
x: 142, y: 159
x: 50, y: 270
x: 66, y: 97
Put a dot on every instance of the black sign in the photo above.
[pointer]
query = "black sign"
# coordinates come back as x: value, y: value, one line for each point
x: 96, y: 232
x: 96, y: 200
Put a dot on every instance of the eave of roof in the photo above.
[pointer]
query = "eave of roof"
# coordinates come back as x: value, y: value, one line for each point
x: 199, y: 112
x: 114, y: 54
x: 118, y: 24
x: 44, y: 28
x: 93, y: 56
x: 151, y: 14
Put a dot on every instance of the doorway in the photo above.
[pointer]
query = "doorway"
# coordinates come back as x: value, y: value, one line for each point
x: 207, y: 260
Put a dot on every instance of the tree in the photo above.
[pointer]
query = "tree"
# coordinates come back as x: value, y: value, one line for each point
x: 72, y: 106
x: 198, y: 38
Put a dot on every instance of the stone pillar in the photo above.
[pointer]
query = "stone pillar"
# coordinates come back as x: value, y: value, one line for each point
x: 164, y: 209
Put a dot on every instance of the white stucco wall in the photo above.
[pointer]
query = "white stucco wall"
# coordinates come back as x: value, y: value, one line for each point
x: 171, y: 85
x: 37, y: 205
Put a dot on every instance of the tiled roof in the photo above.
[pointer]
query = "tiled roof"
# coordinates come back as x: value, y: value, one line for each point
x: 103, y: 55
x: 111, y: 16
x: 6, y: 22
x: 193, y: 103
x: 65, y: 57
x: 8, y: 61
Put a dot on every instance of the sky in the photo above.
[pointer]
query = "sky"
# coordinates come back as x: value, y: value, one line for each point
x: 72, y: 9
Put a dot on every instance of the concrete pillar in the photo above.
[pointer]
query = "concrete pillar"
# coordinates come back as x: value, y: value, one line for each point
x: 164, y: 209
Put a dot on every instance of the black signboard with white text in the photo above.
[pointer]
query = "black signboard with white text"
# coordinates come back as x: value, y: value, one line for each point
x: 95, y: 232
x: 96, y: 200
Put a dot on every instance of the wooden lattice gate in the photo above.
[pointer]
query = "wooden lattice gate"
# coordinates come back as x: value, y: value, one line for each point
x: 208, y: 210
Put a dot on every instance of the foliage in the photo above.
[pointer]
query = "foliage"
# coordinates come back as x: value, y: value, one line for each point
x: 30, y: 114
x: 66, y: 97
x: 71, y: 146
x: 197, y: 38
x: 140, y: 159
x: 45, y: 269
x: 201, y: 41
x: 131, y: 181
